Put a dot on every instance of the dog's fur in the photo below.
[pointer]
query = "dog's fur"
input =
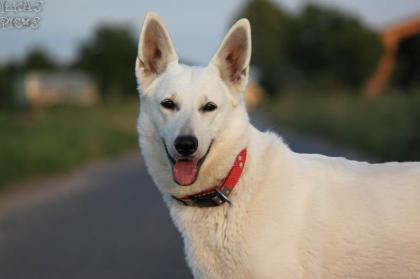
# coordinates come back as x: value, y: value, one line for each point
x: 293, y: 215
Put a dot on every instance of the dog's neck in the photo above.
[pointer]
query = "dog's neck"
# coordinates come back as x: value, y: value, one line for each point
x: 195, y: 223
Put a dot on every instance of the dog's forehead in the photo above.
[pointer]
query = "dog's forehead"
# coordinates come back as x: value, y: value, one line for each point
x: 191, y: 82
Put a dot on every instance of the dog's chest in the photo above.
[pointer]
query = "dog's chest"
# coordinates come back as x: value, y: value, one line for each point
x: 214, y: 243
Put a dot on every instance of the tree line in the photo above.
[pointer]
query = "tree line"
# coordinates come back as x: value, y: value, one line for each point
x: 317, y: 47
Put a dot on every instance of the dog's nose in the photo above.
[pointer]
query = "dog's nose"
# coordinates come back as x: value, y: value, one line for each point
x: 186, y: 145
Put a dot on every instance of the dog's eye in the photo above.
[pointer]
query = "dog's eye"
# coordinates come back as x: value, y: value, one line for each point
x: 208, y: 107
x: 168, y: 104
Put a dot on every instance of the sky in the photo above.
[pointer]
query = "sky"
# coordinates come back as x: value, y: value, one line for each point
x: 196, y: 27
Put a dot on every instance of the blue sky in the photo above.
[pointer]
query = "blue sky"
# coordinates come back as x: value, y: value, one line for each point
x: 196, y: 27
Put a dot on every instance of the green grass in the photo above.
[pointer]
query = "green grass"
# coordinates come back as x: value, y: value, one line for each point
x: 58, y: 139
x: 387, y: 127
x: 50, y: 141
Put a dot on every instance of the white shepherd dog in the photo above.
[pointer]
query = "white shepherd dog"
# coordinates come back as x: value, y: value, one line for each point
x: 246, y: 205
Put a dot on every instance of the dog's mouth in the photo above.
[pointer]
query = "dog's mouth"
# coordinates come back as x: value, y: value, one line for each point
x: 185, y: 170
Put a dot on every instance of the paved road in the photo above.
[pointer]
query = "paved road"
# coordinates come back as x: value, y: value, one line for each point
x: 106, y: 220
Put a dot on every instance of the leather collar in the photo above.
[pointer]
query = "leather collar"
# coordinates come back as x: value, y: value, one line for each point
x: 219, y: 194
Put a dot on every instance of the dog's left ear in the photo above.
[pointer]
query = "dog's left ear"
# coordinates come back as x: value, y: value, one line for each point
x: 155, y: 51
x: 233, y: 56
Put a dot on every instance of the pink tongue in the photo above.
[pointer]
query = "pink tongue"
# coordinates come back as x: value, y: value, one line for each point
x: 184, y: 172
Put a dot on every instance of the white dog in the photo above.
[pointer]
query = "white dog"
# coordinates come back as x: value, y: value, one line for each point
x: 246, y: 205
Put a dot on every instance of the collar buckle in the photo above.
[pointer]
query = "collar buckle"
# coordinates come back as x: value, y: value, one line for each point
x: 210, y: 199
x: 222, y: 196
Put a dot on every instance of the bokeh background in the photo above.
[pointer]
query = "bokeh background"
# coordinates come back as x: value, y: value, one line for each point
x: 336, y: 75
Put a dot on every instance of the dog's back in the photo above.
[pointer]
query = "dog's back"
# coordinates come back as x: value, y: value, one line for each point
x: 336, y: 218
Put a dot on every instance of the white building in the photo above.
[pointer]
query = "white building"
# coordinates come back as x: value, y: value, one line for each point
x: 43, y: 89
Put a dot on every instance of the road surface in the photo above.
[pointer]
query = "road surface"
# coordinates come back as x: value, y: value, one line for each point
x: 105, y: 220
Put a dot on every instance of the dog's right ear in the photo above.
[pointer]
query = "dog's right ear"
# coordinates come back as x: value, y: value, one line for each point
x: 155, y: 51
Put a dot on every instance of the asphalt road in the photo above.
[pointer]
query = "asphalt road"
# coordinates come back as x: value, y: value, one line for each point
x: 105, y: 220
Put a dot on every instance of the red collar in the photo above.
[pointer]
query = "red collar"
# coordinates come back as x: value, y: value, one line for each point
x: 218, y: 194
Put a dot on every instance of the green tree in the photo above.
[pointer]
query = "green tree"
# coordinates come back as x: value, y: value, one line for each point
x: 317, y: 46
x: 4, y: 94
x: 328, y: 44
x: 109, y: 56
x: 38, y: 59
x: 35, y: 59
x: 269, y: 32
x: 8, y: 74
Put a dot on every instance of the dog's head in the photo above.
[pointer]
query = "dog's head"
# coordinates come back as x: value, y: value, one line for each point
x: 184, y: 110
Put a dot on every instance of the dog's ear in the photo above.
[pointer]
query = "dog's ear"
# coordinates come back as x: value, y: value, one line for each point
x: 233, y: 56
x: 155, y: 51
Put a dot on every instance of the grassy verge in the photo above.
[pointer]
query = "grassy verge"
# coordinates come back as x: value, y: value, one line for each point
x: 387, y: 127
x: 58, y: 139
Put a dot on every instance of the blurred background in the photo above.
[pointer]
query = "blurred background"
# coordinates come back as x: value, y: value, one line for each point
x: 340, y: 78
